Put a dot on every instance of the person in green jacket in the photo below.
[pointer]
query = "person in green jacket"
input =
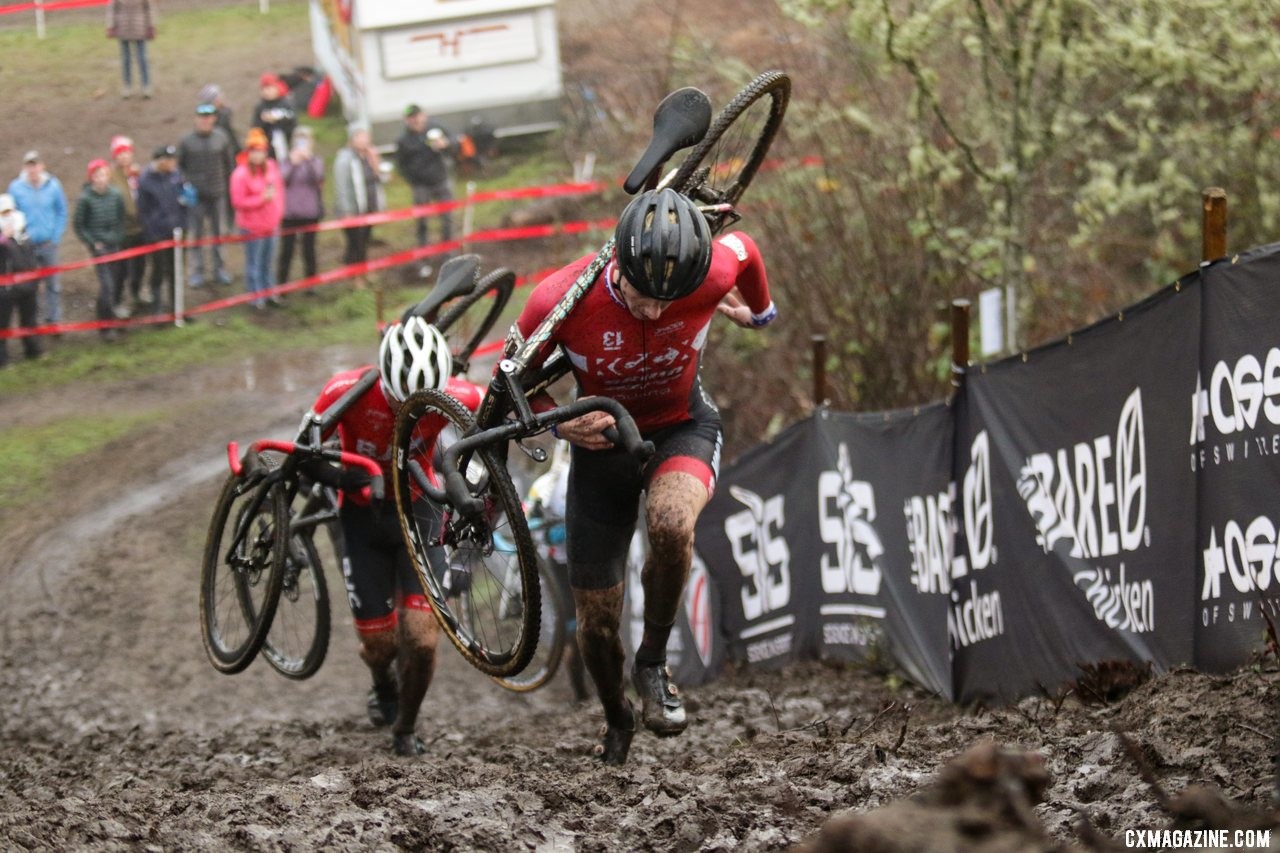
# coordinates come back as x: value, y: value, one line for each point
x: 99, y: 223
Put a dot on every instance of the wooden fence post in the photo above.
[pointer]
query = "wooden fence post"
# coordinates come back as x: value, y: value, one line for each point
x: 1214, y: 224
x: 819, y: 370
x: 959, y: 340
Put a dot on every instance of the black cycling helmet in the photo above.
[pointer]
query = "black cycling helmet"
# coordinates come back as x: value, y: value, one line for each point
x: 663, y: 244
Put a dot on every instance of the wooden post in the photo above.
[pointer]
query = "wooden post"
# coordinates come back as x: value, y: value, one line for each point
x: 819, y: 370
x: 959, y: 340
x: 1214, y: 224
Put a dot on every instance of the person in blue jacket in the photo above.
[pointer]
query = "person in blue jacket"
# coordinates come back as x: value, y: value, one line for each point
x: 163, y: 199
x: 42, y: 201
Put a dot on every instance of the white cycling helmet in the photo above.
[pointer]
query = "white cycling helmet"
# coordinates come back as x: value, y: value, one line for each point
x: 413, y: 356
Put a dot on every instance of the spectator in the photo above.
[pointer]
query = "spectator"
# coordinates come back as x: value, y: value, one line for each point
x: 129, y: 271
x: 303, y: 175
x: 357, y: 178
x: 420, y: 156
x: 40, y: 198
x: 161, y: 210
x: 275, y: 115
x: 211, y: 93
x: 133, y: 23
x: 257, y: 196
x: 99, y: 223
x: 206, y: 157
x: 16, y: 256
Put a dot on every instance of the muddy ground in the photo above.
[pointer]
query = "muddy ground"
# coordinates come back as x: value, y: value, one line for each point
x: 115, y: 733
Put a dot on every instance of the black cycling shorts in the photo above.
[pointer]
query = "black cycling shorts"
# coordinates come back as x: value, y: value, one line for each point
x: 378, y: 570
x: 604, y: 493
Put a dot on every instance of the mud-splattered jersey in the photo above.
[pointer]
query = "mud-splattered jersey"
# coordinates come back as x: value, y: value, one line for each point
x: 650, y: 366
x: 368, y: 426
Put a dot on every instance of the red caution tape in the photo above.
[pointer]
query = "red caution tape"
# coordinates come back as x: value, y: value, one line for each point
x: 51, y: 6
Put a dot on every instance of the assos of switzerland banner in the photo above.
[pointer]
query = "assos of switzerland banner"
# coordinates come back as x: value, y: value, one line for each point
x: 1234, y: 444
x: 1078, y: 513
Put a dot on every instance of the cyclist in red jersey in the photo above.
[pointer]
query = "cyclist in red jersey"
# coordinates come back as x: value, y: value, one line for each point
x: 393, y: 619
x: 638, y: 336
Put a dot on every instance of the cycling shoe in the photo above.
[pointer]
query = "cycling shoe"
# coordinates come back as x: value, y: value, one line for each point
x: 663, y: 709
x: 408, y: 745
x: 383, y: 705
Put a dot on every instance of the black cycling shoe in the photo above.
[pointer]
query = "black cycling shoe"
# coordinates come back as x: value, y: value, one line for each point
x: 383, y: 705
x: 408, y: 745
x: 663, y: 710
x: 616, y: 741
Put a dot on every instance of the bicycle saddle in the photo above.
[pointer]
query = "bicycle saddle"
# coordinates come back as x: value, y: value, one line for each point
x: 679, y: 121
x: 456, y: 278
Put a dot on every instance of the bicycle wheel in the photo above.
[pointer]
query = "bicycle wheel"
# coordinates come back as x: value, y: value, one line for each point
x: 491, y: 559
x: 719, y: 168
x: 466, y: 328
x: 242, y: 571
x: 298, y: 640
x: 551, y: 636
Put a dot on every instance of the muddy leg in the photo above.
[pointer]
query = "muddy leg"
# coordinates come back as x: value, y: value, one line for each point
x: 599, y: 615
x: 672, y: 507
x: 415, y: 665
x: 378, y: 651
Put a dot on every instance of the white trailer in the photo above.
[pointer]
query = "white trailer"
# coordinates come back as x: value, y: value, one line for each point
x: 495, y: 61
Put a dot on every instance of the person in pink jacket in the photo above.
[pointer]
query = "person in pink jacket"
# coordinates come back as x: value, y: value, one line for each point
x: 257, y: 197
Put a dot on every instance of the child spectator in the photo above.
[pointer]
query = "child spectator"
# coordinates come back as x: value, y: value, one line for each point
x: 129, y: 271
x: 303, y: 175
x: 161, y: 209
x: 275, y: 116
x: 257, y: 196
x: 99, y: 223
x: 16, y: 256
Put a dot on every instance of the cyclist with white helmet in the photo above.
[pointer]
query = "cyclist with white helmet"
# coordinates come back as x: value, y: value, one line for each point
x: 638, y: 336
x: 393, y: 617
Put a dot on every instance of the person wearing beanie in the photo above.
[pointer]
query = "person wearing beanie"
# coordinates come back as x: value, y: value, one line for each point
x: 133, y: 24
x: 211, y: 93
x: 206, y: 157
x: 275, y: 115
x: 99, y: 223
x: 303, y: 175
x: 129, y: 272
x: 257, y: 197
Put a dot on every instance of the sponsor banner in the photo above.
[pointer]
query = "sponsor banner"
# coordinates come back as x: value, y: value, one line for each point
x: 884, y: 539
x: 1233, y: 445
x: 1078, y: 514
x: 764, y: 505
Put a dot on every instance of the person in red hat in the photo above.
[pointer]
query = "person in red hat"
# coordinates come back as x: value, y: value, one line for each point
x: 275, y: 116
x: 257, y: 197
x: 99, y: 223
x: 129, y: 272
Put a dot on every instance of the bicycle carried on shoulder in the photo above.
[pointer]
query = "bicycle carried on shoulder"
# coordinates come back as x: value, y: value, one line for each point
x: 472, y: 511
x: 262, y: 584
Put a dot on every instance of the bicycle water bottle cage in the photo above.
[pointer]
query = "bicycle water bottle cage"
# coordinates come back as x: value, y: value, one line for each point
x: 681, y: 120
x: 456, y: 278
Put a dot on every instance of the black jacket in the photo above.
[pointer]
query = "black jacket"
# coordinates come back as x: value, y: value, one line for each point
x: 100, y: 218
x: 418, y: 162
x: 160, y: 208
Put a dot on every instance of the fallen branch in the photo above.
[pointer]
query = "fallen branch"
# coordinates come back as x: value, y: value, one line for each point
x: 1144, y: 769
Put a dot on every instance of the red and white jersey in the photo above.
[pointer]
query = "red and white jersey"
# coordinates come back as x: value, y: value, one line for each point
x: 368, y: 426
x: 650, y: 366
